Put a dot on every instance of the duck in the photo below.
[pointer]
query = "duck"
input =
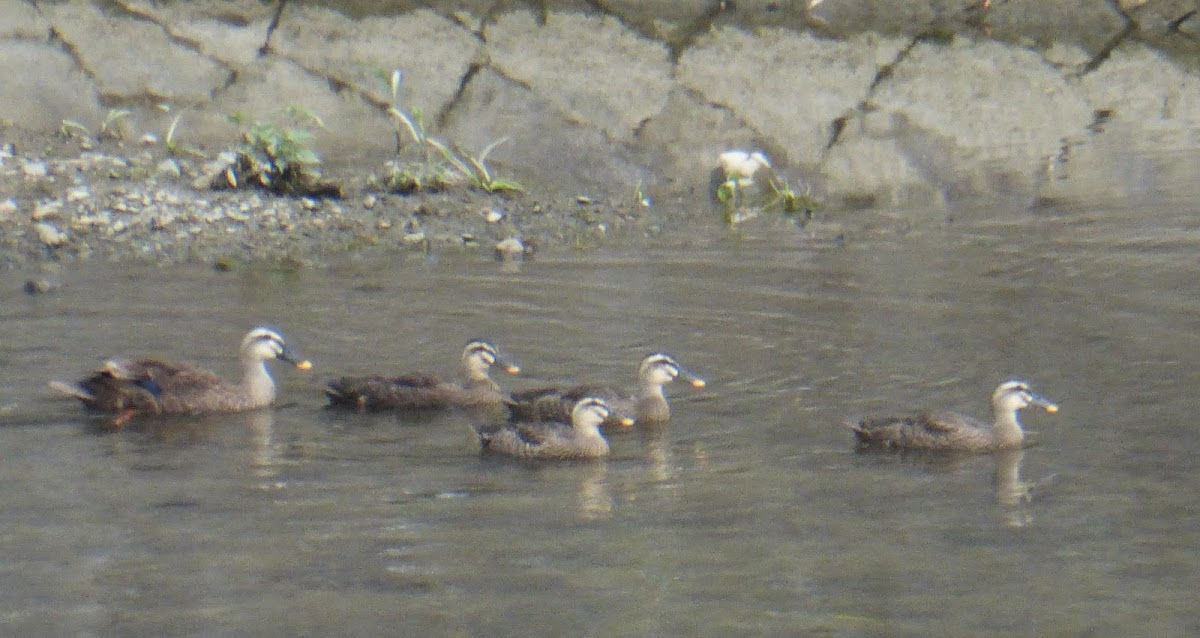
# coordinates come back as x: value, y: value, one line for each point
x: 580, y: 438
x: 426, y: 391
x: 954, y: 432
x: 129, y: 388
x: 647, y: 405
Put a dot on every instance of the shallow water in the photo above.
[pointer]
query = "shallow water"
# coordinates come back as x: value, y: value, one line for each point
x: 751, y: 514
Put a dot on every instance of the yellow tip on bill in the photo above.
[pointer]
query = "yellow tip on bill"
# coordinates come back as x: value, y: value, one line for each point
x: 626, y: 422
x: 1052, y: 408
x: 698, y: 383
x: 304, y: 365
x: 513, y: 369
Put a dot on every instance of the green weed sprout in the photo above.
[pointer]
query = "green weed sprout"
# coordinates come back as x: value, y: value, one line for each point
x: 280, y: 157
x: 440, y: 165
x: 111, y: 126
x: 71, y: 128
x: 169, y: 140
x: 475, y: 168
x: 742, y: 197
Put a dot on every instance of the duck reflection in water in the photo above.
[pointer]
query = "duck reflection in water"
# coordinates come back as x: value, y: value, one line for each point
x: 1013, y: 493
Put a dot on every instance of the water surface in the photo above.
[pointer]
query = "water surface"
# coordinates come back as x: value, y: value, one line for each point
x: 752, y: 513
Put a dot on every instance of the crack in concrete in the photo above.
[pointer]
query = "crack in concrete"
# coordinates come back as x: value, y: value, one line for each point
x: 459, y: 21
x: 1106, y: 51
x: 685, y: 36
x: 839, y: 124
x: 679, y: 41
x: 56, y: 36
x: 274, y: 24
x: 447, y: 109
x: 760, y: 141
x: 195, y: 46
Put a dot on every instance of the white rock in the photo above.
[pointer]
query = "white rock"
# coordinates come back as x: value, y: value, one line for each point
x: 493, y: 216
x: 169, y: 167
x: 78, y: 194
x: 510, y: 249
x: 50, y: 235
x: 50, y: 209
x: 35, y: 170
x: 742, y: 164
x: 8, y: 209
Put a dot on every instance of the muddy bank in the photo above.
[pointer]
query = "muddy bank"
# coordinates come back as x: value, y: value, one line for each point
x: 918, y: 106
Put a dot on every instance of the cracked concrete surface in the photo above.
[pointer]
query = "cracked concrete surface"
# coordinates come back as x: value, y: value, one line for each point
x: 906, y: 103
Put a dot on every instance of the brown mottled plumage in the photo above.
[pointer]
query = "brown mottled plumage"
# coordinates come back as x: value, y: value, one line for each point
x: 139, y: 387
x: 579, y: 439
x: 648, y: 404
x: 424, y: 391
x: 951, y: 431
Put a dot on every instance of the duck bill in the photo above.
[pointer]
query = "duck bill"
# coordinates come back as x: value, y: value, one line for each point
x: 505, y: 363
x: 693, y: 380
x: 290, y: 357
x: 1045, y: 404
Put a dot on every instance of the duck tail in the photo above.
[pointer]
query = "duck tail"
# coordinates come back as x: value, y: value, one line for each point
x: 861, y: 432
x: 72, y: 390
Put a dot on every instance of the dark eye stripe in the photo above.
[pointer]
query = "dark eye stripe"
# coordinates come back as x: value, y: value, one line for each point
x: 273, y: 338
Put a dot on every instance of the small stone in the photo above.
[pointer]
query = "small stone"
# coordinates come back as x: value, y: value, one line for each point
x: 8, y: 209
x: 583, y: 199
x: 35, y: 170
x: 149, y: 139
x: 78, y: 194
x: 41, y: 286
x: 370, y: 201
x: 169, y: 167
x: 510, y: 249
x: 51, y: 209
x: 50, y: 235
x: 309, y: 203
x: 85, y: 222
x: 414, y: 238
x: 493, y: 216
x: 383, y: 224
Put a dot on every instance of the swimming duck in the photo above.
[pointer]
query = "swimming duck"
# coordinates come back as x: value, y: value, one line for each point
x: 648, y: 404
x: 951, y: 431
x: 578, y: 439
x: 425, y: 391
x: 137, y: 387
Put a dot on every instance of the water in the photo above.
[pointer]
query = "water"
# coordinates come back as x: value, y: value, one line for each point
x: 751, y: 514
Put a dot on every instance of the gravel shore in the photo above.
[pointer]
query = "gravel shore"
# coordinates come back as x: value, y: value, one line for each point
x: 119, y: 201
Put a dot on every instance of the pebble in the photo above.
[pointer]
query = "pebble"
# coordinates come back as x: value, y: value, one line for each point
x: 370, y: 201
x: 510, y: 249
x: 169, y: 167
x: 493, y: 216
x: 41, y: 286
x: 78, y: 194
x: 49, y: 209
x: 8, y: 209
x: 35, y: 169
x: 50, y: 235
